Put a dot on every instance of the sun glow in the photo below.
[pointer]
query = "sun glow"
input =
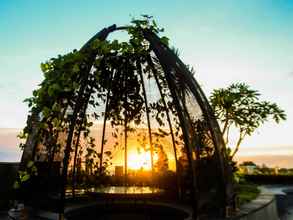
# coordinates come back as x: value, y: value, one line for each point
x: 139, y: 160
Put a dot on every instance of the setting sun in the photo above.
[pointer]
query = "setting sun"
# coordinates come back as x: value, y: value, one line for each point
x: 139, y: 160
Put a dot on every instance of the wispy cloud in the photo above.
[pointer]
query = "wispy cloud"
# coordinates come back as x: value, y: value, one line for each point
x: 266, y: 150
x: 9, y: 145
x: 8, y: 138
x: 280, y: 161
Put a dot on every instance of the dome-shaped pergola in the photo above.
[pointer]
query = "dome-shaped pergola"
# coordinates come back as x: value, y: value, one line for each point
x: 125, y: 115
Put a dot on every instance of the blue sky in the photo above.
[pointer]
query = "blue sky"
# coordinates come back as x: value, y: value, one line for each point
x: 225, y: 41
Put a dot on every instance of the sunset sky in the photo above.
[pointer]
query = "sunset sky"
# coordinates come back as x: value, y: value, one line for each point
x: 225, y: 41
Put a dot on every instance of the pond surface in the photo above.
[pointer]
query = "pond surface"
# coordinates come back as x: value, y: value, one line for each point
x: 126, y: 190
x: 118, y: 190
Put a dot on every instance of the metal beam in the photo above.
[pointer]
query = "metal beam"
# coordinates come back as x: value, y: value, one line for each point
x: 147, y: 115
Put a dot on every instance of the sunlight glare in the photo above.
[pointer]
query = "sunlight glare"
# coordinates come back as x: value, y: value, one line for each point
x: 139, y: 160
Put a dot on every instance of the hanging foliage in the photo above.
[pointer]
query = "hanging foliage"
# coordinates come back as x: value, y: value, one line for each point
x: 113, y: 74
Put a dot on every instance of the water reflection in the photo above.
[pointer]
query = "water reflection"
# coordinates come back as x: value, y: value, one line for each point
x: 126, y: 190
x: 118, y: 190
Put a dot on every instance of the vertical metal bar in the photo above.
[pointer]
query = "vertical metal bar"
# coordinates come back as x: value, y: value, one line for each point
x: 68, y: 148
x: 185, y: 129
x: 51, y: 159
x: 77, y: 141
x: 125, y: 128
x: 76, y: 149
x: 155, y: 72
x: 29, y: 151
x: 161, y: 54
x: 207, y: 111
x: 74, y: 164
x: 104, y: 124
x: 86, y: 70
x: 125, y: 151
x: 56, y: 141
x: 148, y: 117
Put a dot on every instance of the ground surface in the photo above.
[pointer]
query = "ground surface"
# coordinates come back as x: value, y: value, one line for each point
x: 284, y: 198
x: 3, y: 216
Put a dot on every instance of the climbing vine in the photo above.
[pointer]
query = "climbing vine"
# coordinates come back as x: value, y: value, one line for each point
x: 87, y: 78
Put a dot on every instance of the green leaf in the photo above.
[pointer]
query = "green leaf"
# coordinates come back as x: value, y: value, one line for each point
x: 51, y: 91
x: 75, y: 68
x: 56, y: 107
x: 16, y: 185
x: 22, y: 135
x: 46, y: 112
x: 25, y: 178
x: 165, y: 40
x: 30, y: 164
x: 238, y: 105
x: 45, y: 67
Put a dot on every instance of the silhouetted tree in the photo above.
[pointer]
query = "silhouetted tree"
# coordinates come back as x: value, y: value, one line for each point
x: 162, y: 162
x: 238, y: 106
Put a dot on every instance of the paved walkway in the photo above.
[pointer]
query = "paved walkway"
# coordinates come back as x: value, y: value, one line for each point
x: 284, y: 198
x: 3, y: 215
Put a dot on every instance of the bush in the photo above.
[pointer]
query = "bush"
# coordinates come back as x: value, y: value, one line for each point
x: 246, y: 192
x: 269, y: 179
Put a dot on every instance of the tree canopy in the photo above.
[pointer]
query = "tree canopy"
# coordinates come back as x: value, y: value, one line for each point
x: 239, y: 106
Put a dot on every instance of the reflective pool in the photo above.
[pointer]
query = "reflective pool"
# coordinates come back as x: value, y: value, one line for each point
x: 126, y: 190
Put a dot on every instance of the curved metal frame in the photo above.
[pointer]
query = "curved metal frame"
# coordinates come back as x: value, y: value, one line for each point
x: 169, y: 63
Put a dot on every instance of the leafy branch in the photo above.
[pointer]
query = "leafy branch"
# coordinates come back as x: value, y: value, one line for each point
x: 238, y: 106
